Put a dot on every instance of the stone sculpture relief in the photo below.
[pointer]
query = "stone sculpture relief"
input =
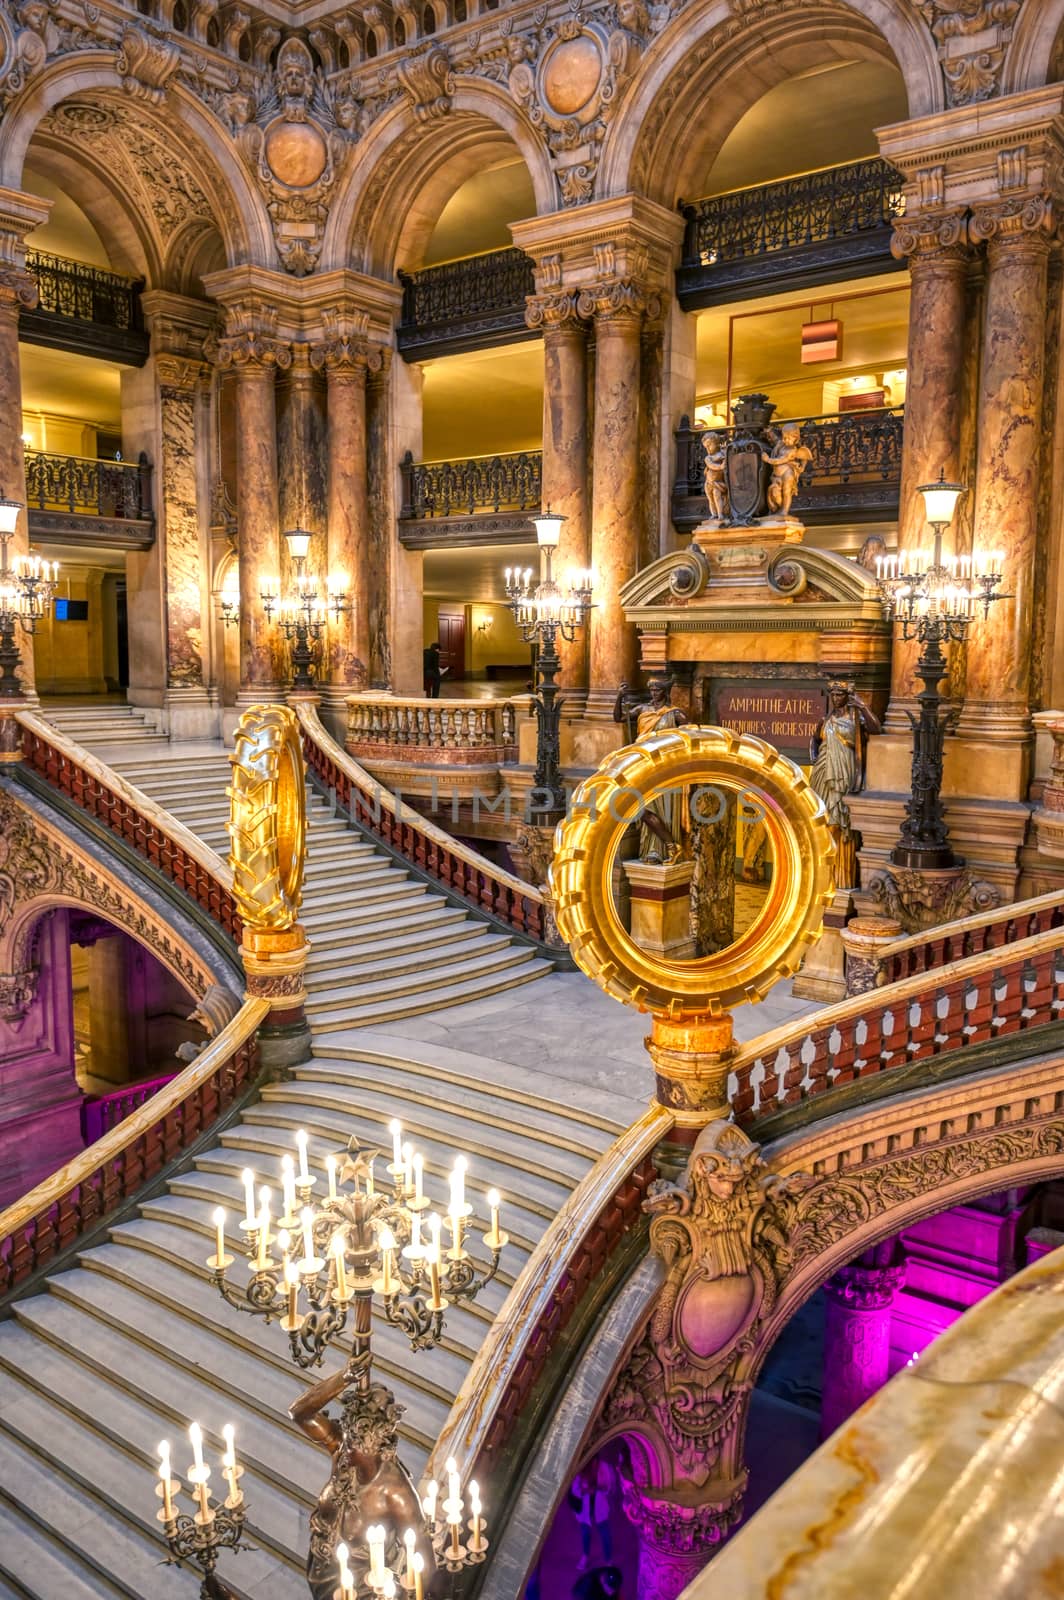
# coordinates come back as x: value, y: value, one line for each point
x: 921, y: 900
x: 972, y: 38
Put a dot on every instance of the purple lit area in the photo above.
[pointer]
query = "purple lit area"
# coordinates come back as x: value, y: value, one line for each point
x: 873, y: 1317
x: 95, y: 1026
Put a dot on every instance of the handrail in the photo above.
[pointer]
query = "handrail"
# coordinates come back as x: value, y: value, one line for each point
x: 979, y: 998
x: 131, y: 814
x: 84, y: 1191
x: 545, y: 1293
x: 472, y: 876
x: 948, y: 941
x: 102, y: 1112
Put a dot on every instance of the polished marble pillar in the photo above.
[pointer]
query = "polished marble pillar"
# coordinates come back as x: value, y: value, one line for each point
x: 857, y: 1333
x: 19, y: 215
x: 254, y: 353
x: 382, y: 563
x: 346, y: 361
x: 179, y: 379
x: 565, y: 450
x: 618, y: 307
x: 1012, y: 377
x: 937, y: 250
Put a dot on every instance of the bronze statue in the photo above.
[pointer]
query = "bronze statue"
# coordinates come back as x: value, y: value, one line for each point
x: 788, y: 459
x: 713, y: 475
x: 837, y: 751
x: 664, y: 826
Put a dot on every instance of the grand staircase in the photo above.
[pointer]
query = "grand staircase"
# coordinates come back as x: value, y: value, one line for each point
x: 133, y: 1342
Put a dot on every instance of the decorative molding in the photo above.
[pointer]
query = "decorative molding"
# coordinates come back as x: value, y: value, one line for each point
x: 932, y: 236
x: 921, y: 900
x: 147, y: 60
x: 972, y: 38
x: 1029, y: 219
x: 250, y: 341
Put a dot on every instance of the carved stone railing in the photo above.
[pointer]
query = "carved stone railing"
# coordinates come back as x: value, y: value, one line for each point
x: 482, y: 483
x: 455, y: 732
x: 78, y: 1197
x: 102, y: 1112
x: 568, y: 1258
x: 855, y: 470
x: 85, y: 309
x: 465, y: 305
x: 132, y: 816
x: 495, y: 893
x: 817, y: 228
x: 954, y: 941
x: 983, y: 998
x: 108, y: 502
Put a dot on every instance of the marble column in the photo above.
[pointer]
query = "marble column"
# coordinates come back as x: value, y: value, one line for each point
x: 675, y: 1541
x: 565, y: 450
x: 857, y: 1332
x: 255, y: 355
x: 346, y: 361
x: 1012, y: 377
x: 380, y: 522
x: 618, y: 308
x: 19, y: 215
x: 179, y: 380
x: 937, y: 250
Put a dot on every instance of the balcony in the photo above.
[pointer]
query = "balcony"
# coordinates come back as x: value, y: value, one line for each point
x: 800, y: 233
x: 465, y: 305
x: 85, y: 310
x: 484, y: 500
x: 854, y: 476
x: 77, y: 500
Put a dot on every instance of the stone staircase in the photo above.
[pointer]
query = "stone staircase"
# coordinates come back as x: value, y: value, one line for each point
x: 132, y: 1342
x: 108, y: 723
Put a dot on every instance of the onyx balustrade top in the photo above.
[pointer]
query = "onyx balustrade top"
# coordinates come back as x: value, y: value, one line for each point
x: 85, y: 309
x: 798, y: 233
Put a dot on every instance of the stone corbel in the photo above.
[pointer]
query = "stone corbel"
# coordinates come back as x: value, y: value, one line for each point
x: 236, y: 20
x: 202, y: 12
x: 146, y: 63
x: 426, y: 75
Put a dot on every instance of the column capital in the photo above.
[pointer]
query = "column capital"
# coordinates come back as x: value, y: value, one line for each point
x: 250, y: 342
x: 1029, y: 220
x: 556, y: 311
x: 183, y: 373
x: 933, y: 238
x: 346, y: 357
x: 619, y: 301
x: 864, y: 1288
x: 19, y: 214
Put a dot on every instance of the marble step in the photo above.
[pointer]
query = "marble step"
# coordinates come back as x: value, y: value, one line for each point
x: 371, y: 894
x: 32, y: 1552
x: 429, y: 914
x: 455, y: 994
x: 472, y: 943
x: 428, y: 936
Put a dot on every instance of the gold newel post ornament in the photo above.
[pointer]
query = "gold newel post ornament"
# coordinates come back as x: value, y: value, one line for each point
x: 690, y: 1000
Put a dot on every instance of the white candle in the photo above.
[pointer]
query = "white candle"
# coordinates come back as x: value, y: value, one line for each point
x: 387, y: 1243
x: 419, y: 1175
x: 195, y: 1434
x: 375, y: 1543
x: 308, y: 1233
x: 219, y: 1236
x: 415, y: 1249
x: 264, y: 1229
x: 395, y: 1128
x: 341, y: 1270
x: 330, y: 1167
x: 456, y: 1231
x: 474, y: 1506
x: 409, y: 1539
x: 229, y: 1435
x: 493, y: 1205
x: 249, y: 1196
x: 164, y: 1474
x: 419, y: 1586
x: 301, y: 1145
x: 288, y: 1184
x: 428, y: 1504
x: 284, y: 1241
x: 435, y: 1225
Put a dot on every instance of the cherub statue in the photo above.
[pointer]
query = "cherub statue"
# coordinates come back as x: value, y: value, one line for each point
x: 716, y: 489
x: 788, y: 459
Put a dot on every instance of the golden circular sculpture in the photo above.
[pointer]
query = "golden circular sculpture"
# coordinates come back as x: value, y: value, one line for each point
x: 585, y: 851
x: 268, y: 817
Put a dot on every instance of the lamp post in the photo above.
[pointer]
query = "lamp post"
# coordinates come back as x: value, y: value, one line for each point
x: 936, y: 600
x: 317, y: 1269
x: 26, y: 587
x: 304, y: 616
x: 542, y: 613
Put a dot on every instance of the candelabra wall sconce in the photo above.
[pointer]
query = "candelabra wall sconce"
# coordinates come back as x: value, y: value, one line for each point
x: 303, y: 616
x: 542, y: 613
x: 315, y: 1270
x: 936, y: 599
x: 27, y: 585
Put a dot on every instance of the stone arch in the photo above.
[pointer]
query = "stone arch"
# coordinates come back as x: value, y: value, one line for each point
x: 709, y: 68
x: 92, y: 186
x: 127, y: 914
x: 412, y: 168
x: 1035, y: 52
x: 229, y: 195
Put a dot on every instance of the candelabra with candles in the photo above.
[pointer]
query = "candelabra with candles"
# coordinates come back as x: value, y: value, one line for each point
x: 936, y: 598
x: 542, y: 613
x: 26, y: 587
x: 303, y: 617
x: 371, y: 1534
x: 202, y: 1535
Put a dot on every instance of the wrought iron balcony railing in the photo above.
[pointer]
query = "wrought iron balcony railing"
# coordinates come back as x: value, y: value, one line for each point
x: 855, y: 472
x: 484, y: 499
x: 465, y: 305
x: 85, y: 309
x: 103, y: 501
x: 816, y: 228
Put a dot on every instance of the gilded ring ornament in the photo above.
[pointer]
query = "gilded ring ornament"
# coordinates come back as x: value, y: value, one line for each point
x: 267, y: 817
x: 585, y: 851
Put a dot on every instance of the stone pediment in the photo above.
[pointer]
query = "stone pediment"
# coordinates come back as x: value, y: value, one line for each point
x: 749, y: 581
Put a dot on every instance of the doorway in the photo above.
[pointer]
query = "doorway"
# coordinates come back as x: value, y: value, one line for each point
x: 122, y: 618
x: 452, y: 636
